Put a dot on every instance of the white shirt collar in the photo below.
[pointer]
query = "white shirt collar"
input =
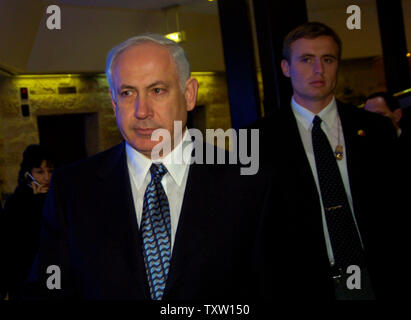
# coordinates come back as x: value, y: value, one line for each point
x: 328, y: 115
x: 139, y: 165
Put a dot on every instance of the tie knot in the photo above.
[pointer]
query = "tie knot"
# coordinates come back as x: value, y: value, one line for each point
x: 158, y: 170
x: 317, y: 121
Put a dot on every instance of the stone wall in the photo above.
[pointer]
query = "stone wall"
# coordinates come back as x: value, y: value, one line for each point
x: 213, y: 94
x: 44, y: 99
x: 358, y: 78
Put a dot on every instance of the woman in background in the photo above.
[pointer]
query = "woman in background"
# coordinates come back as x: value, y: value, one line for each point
x: 21, y: 219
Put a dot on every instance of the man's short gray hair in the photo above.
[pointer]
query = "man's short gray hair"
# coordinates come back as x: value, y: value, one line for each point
x: 177, y: 53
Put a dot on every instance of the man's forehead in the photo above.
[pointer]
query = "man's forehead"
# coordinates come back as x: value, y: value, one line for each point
x: 144, y: 52
x: 145, y: 58
x: 377, y: 102
x: 318, y: 44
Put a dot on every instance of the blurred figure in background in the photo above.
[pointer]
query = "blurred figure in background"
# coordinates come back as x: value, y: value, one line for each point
x: 21, y: 220
x: 387, y: 105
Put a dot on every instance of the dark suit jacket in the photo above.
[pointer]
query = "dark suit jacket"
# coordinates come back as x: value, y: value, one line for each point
x: 370, y: 159
x: 90, y: 231
x: 20, y: 238
x: 405, y: 147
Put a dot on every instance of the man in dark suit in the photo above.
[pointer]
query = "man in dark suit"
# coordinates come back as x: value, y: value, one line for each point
x: 339, y: 214
x: 105, y: 233
x: 387, y: 105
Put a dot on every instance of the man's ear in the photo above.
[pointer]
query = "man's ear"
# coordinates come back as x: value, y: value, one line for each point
x: 285, y: 68
x: 397, y: 114
x: 113, y: 100
x: 190, y: 93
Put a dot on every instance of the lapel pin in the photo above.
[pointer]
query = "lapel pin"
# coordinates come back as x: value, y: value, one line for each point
x: 361, y: 133
x: 339, y: 152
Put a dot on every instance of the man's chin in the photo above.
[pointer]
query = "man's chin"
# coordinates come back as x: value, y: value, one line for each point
x: 320, y: 95
x: 148, y: 148
x: 145, y: 150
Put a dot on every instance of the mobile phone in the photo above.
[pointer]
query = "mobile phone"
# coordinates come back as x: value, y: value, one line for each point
x: 32, y: 178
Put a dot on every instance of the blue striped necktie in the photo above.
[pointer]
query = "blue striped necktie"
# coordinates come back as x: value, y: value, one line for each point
x: 156, y: 232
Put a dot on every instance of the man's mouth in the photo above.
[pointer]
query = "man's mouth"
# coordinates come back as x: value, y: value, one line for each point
x: 145, y: 131
x: 317, y: 83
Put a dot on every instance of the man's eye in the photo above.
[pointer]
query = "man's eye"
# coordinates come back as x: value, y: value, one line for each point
x: 329, y: 60
x: 158, y: 90
x: 307, y: 59
x: 126, y: 93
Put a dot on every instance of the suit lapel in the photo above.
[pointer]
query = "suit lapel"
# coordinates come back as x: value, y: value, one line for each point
x: 304, y: 198
x: 297, y: 158
x: 196, y: 211
x: 354, y: 150
x: 118, y: 206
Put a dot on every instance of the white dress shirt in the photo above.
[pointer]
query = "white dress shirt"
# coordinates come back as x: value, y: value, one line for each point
x: 174, y: 181
x: 331, y: 126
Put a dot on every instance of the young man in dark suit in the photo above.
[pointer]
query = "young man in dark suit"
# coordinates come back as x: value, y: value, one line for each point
x: 335, y: 159
x: 131, y: 224
x: 387, y: 105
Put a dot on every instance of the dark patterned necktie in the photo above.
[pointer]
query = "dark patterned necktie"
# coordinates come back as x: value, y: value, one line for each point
x: 345, y: 240
x: 156, y: 232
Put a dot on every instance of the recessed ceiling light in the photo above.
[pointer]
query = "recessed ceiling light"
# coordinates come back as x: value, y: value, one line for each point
x: 177, y: 36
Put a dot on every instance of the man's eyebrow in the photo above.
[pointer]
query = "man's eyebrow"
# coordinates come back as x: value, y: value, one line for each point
x: 306, y: 55
x: 154, y: 84
x: 158, y: 83
x: 127, y: 86
x: 328, y: 55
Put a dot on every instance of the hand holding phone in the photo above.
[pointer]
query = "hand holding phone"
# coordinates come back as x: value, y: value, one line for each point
x: 31, y: 178
x: 35, y: 185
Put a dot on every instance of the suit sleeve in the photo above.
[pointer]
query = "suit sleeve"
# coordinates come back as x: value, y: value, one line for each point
x: 389, y: 225
x: 51, y: 274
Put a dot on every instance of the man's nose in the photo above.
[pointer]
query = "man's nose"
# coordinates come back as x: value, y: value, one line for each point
x: 318, y: 66
x: 142, y: 108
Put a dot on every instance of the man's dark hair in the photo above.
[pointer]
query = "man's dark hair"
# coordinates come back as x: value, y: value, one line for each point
x: 389, y: 99
x: 309, y: 30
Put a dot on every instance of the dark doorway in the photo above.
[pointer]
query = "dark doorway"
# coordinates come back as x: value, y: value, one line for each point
x: 65, y: 136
